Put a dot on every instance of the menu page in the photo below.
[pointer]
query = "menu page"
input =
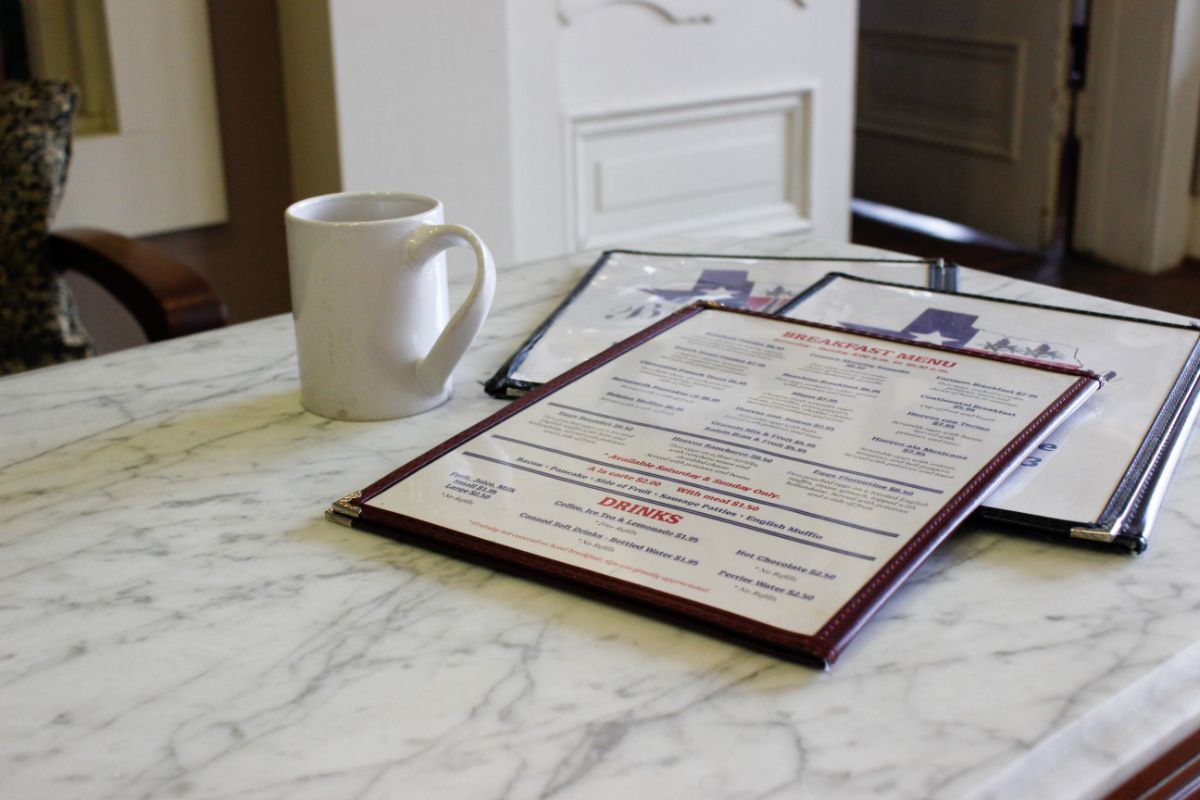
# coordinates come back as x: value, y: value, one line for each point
x: 763, y: 467
x: 1076, y: 472
x: 628, y: 291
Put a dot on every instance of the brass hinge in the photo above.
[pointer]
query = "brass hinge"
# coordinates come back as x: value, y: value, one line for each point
x: 1092, y: 534
x: 344, y: 510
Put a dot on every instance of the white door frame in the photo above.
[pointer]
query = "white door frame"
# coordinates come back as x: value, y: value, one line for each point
x: 1137, y: 123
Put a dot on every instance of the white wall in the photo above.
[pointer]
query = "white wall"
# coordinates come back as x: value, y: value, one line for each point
x: 535, y: 142
x: 423, y: 106
x: 162, y: 169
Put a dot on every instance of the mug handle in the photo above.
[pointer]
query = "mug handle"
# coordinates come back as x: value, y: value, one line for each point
x: 434, y: 369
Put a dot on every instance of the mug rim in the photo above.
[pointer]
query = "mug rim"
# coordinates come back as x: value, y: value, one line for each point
x: 433, y: 205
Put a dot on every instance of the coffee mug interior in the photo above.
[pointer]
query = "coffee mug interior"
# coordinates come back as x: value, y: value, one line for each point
x: 363, y: 207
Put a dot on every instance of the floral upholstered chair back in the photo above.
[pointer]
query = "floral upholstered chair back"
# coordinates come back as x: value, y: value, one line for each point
x: 39, y: 323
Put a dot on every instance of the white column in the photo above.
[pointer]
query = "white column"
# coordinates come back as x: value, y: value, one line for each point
x: 1137, y: 125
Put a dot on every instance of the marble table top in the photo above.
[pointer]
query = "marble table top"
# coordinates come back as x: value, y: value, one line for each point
x: 177, y: 619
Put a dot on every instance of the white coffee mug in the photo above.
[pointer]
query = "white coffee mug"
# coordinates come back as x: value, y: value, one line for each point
x: 370, y: 301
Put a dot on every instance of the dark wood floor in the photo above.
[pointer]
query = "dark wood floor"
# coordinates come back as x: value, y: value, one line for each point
x: 1176, y: 290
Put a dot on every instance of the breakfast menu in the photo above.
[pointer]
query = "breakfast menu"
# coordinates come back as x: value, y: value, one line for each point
x: 771, y: 478
x: 1101, y: 475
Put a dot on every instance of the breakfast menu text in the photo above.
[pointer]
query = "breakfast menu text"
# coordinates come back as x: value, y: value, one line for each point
x: 765, y: 468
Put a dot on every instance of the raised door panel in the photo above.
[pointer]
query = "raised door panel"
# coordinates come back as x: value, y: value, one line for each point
x: 735, y: 165
x: 709, y: 116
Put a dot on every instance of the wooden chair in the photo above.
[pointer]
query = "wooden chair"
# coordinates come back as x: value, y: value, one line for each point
x: 39, y: 321
x: 165, y: 296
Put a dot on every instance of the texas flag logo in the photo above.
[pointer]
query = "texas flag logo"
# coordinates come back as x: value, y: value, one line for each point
x: 932, y: 326
x: 729, y: 287
x: 956, y: 329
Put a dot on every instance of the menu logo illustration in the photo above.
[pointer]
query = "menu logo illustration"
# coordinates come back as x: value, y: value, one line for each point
x: 729, y: 287
x: 956, y: 329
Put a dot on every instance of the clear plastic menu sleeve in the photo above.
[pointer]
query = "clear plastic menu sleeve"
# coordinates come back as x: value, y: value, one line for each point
x: 1101, y: 476
x: 627, y: 290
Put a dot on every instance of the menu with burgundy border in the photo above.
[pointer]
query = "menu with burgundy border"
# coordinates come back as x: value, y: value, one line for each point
x: 766, y: 479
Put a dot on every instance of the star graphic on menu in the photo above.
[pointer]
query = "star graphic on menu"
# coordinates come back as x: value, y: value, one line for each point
x: 932, y: 337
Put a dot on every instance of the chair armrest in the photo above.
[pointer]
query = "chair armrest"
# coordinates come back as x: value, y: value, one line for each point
x: 165, y: 296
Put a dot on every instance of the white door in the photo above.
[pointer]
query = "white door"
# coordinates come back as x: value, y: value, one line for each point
x: 963, y: 108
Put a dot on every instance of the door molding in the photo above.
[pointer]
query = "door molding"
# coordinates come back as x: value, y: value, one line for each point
x: 637, y: 172
x: 891, y: 61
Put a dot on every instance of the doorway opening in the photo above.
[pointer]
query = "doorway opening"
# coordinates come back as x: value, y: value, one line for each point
x: 968, y: 120
x: 1068, y: 174
x: 1056, y: 262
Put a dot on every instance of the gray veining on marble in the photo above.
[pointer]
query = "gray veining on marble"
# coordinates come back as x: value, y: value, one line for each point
x: 178, y: 620
x: 1095, y: 753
